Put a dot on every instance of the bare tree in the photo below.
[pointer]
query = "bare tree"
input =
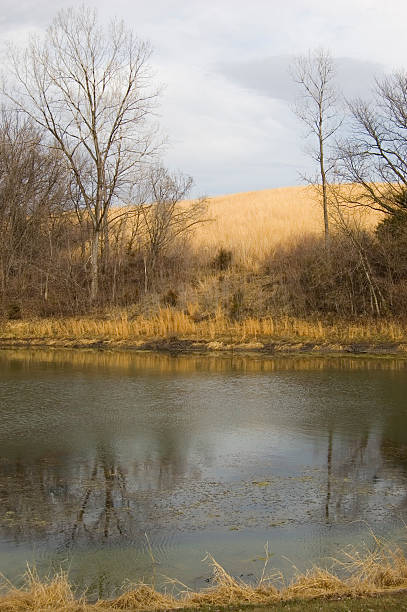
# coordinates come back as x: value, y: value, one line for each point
x: 90, y: 88
x: 351, y: 227
x: 165, y: 217
x: 33, y: 203
x: 374, y: 156
x: 317, y: 108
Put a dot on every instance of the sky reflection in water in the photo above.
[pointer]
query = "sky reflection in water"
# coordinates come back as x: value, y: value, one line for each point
x: 200, y: 453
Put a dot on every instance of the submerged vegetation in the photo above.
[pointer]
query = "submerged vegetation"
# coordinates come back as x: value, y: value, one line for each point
x: 380, y: 570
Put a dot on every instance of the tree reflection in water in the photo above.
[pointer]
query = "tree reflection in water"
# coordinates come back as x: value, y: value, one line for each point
x: 52, y: 498
x: 103, y: 500
x: 96, y: 453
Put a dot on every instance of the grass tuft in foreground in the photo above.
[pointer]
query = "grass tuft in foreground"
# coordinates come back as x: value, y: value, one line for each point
x: 375, y: 575
x: 53, y: 594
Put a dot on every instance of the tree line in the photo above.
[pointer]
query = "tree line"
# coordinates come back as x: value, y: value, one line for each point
x: 78, y: 138
x: 91, y: 218
x: 360, y: 143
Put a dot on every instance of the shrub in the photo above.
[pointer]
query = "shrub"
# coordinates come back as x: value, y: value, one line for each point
x: 14, y: 312
x: 223, y: 260
x: 170, y: 298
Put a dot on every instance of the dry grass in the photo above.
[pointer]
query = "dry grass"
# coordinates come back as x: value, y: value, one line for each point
x: 381, y: 565
x: 54, y: 594
x: 169, y: 323
x: 318, y: 582
x: 252, y: 224
x: 380, y: 569
x: 141, y: 597
x: 229, y: 591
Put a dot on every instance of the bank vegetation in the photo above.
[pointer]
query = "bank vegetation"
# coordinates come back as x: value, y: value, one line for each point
x: 99, y: 239
x: 380, y: 570
x: 242, y: 289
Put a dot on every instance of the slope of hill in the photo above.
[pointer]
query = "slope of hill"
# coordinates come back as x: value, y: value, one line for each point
x: 252, y: 224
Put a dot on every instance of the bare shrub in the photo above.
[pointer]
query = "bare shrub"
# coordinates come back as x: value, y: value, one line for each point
x: 305, y: 281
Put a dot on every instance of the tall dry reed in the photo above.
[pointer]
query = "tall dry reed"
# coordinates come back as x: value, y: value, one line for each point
x: 170, y: 322
x: 380, y: 568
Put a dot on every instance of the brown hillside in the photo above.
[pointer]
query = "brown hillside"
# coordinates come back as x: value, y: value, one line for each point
x: 251, y: 224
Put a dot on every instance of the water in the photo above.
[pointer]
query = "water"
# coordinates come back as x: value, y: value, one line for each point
x: 122, y: 466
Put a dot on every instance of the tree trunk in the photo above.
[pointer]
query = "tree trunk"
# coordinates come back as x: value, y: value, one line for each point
x: 105, y: 246
x: 325, y: 206
x: 94, y: 266
x: 324, y: 183
x: 145, y: 275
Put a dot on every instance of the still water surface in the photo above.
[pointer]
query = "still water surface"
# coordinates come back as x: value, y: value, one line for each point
x: 108, y: 460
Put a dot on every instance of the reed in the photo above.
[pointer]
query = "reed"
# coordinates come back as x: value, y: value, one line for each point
x: 380, y: 569
x: 172, y: 323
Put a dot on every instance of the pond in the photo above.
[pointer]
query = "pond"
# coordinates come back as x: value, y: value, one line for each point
x: 125, y: 466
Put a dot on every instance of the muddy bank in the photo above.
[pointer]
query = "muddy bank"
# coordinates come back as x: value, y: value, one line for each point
x: 176, y: 345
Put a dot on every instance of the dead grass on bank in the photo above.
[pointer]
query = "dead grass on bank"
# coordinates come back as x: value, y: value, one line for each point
x: 170, y: 323
x: 380, y: 569
x: 54, y: 594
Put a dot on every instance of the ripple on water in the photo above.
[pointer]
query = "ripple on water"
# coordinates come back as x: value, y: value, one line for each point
x: 97, y: 450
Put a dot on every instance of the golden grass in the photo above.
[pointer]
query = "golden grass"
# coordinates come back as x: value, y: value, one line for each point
x: 219, y: 330
x: 54, y: 594
x: 142, y: 597
x: 252, y: 224
x: 379, y: 569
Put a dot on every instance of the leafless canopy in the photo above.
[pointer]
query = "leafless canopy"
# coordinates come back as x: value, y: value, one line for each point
x: 33, y: 200
x: 90, y: 88
x: 374, y: 156
x: 315, y: 73
x: 317, y: 108
x: 165, y: 218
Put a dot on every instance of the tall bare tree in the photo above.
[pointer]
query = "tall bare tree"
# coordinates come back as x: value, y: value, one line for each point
x: 317, y: 108
x: 90, y: 87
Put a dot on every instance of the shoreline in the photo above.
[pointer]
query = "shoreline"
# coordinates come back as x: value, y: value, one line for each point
x: 374, y: 585
x: 387, y: 600
x: 176, y: 332
x: 180, y: 346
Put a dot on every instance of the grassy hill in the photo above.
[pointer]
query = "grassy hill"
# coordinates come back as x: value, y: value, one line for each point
x: 253, y: 223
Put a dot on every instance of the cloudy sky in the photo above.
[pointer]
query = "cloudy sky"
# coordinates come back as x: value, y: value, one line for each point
x: 227, y: 102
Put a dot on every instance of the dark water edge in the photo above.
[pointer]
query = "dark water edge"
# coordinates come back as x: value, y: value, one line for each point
x: 176, y: 346
x: 201, y: 453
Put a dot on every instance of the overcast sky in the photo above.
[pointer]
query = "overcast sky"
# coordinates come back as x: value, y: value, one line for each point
x: 227, y: 103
